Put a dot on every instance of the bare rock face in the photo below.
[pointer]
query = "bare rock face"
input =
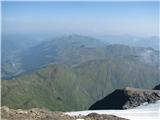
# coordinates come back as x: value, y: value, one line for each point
x: 42, y: 114
x: 157, y: 87
x: 126, y: 98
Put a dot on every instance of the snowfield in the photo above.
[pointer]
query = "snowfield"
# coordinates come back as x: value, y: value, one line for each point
x: 143, y: 112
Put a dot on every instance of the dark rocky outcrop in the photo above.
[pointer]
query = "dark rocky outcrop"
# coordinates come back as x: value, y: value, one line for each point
x: 126, y: 98
x: 157, y: 87
x: 42, y: 114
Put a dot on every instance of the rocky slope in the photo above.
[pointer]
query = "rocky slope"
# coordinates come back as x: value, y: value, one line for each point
x: 126, y: 98
x: 42, y: 114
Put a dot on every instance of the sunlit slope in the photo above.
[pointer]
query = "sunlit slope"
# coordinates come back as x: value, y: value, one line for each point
x: 65, y: 88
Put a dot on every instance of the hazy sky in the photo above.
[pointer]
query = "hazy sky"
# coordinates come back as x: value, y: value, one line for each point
x: 101, y: 18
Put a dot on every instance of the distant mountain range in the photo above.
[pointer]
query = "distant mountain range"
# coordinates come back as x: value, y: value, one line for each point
x: 134, y: 41
x: 20, y: 55
x: 73, y: 72
x: 71, y: 49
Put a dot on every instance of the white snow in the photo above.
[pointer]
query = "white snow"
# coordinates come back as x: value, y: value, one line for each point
x: 143, y: 112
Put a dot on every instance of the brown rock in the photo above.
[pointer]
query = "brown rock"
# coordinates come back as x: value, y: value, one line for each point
x: 42, y: 114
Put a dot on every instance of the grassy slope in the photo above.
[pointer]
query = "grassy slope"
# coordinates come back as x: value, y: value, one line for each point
x: 60, y: 87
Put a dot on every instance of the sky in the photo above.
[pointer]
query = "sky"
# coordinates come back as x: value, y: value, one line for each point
x: 92, y: 18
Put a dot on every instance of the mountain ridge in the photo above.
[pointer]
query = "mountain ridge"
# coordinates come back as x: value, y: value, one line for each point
x: 71, y: 50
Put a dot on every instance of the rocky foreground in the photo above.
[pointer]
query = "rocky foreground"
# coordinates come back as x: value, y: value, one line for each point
x: 43, y: 114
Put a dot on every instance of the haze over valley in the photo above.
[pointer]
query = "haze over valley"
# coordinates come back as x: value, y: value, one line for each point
x: 73, y: 56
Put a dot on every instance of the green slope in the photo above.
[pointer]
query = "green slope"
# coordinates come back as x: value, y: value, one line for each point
x: 66, y: 88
